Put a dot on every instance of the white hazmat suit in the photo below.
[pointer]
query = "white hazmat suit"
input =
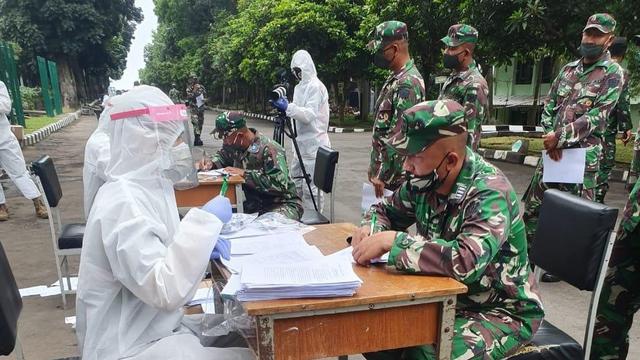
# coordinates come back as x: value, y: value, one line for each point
x: 96, y: 159
x: 139, y: 263
x: 11, y: 158
x: 310, y: 109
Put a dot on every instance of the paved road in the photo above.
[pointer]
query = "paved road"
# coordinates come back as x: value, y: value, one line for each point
x: 28, y: 242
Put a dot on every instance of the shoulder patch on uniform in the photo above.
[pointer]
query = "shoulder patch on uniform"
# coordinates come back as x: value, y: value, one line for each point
x: 254, y: 148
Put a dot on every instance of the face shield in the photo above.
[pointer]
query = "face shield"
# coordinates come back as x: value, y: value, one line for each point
x: 177, y: 160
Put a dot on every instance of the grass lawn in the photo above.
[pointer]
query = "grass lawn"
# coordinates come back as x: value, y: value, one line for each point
x: 37, y: 122
x: 351, y: 121
x: 624, y: 154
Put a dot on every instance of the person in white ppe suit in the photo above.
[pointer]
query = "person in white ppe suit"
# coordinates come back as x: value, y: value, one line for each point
x: 96, y: 159
x: 310, y: 109
x: 12, y: 161
x: 139, y: 263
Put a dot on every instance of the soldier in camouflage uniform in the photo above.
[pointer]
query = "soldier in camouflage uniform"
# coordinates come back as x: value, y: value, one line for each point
x: 174, y: 94
x: 469, y: 228
x: 261, y: 162
x: 575, y: 114
x: 195, y: 90
x: 403, y: 89
x: 620, y: 119
x: 465, y: 85
x: 620, y: 297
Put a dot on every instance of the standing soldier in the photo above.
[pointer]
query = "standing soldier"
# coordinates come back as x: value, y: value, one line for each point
x: 174, y: 94
x: 575, y: 114
x: 403, y: 89
x: 465, y: 85
x: 620, y: 118
x: 195, y: 95
x: 620, y: 296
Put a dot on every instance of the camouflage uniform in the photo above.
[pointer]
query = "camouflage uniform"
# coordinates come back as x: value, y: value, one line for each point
x: 174, y: 95
x: 579, y: 103
x: 401, y: 91
x: 619, y: 119
x: 474, y: 235
x: 197, y: 113
x: 620, y: 297
x: 268, y: 186
x: 469, y: 88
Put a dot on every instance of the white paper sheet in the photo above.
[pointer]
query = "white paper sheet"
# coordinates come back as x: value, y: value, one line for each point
x: 200, y: 100
x: 570, y: 169
x: 73, y: 280
x: 34, y: 290
x: 265, y: 243
x: 232, y: 287
x: 70, y: 320
x: 208, y: 307
x: 369, y: 196
x: 303, y: 273
x: 296, y: 253
x: 347, y: 253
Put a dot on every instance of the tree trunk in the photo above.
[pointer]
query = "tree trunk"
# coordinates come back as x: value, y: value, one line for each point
x: 67, y: 83
x: 532, y: 118
x: 224, y: 93
x: 236, y: 97
x: 81, y: 83
x: 365, y: 98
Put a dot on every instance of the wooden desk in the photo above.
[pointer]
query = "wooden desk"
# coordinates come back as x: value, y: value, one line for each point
x: 209, y: 187
x: 391, y: 310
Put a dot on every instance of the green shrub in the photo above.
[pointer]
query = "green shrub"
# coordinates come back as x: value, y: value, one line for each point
x: 31, y: 98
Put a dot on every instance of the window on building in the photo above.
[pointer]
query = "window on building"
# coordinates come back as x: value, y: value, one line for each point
x: 547, y: 71
x: 524, y: 72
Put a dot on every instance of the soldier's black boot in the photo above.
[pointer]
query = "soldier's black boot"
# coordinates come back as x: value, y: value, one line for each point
x: 197, y: 141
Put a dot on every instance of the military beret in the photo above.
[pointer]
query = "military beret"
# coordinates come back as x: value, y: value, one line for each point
x: 603, y: 22
x: 386, y: 33
x: 459, y: 34
x: 228, y: 122
x: 427, y: 122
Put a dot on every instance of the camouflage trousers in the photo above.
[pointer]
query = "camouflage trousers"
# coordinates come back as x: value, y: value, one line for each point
x: 291, y: 209
x: 533, y: 197
x: 474, y: 136
x: 606, y: 165
x: 620, y: 297
x: 197, y: 120
x: 476, y: 337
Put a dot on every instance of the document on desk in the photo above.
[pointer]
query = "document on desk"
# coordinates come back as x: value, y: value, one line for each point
x: 369, y: 196
x: 325, y: 278
x: 569, y: 169
x: 291, y: 254
x: 266, y: 243
x: 347, y: 253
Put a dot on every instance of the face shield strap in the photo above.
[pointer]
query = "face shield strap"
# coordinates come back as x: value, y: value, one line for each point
x: 161, y: 113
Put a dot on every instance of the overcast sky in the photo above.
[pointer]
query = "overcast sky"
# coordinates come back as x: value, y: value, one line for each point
x: 142, y: 36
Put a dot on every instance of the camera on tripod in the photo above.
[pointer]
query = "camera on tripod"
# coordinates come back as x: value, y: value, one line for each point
x: 279, y: 91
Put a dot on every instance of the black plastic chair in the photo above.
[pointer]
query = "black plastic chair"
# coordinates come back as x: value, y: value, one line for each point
x: 324, y: 175
x: 10, y: 308
x: 66, y: 238
x: 572, y: 228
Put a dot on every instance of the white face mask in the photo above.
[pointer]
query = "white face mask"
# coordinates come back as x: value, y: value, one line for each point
x: 181, y: 163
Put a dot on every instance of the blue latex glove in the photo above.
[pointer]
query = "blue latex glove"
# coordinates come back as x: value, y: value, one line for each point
x: 219, y: 206
x: 222, y: 249
x: 281, y: 104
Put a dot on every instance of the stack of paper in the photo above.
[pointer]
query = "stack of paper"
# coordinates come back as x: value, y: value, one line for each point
x: 325, y: 278
x: 280, y: 266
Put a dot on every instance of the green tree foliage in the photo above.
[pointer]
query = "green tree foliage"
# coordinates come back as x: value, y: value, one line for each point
x: 90, y: 37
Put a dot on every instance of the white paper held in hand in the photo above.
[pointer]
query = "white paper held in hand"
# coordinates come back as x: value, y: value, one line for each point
x: 369, y: 196
x: 569, y: 169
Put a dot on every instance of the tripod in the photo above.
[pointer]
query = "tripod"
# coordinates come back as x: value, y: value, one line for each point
x: 284, y: 125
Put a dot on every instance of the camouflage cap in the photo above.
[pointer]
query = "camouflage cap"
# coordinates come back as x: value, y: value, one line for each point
x: 603, y: 22
x: 427, y: 122
x: 228, y: 122
x: 386, y: 33
x: 459, y: 34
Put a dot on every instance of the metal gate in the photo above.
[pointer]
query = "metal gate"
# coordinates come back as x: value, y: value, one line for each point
x: 9, y: 76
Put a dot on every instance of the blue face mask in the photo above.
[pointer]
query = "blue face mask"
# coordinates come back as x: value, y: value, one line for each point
x: 426, y: 183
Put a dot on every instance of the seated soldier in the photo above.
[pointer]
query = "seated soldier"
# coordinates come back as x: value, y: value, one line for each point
x: 261, y: 162
x: 469, y: 228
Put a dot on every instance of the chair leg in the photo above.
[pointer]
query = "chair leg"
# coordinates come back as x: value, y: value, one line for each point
x: 18, y: 349
x: 343, y: 357
x: 60, y: 279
